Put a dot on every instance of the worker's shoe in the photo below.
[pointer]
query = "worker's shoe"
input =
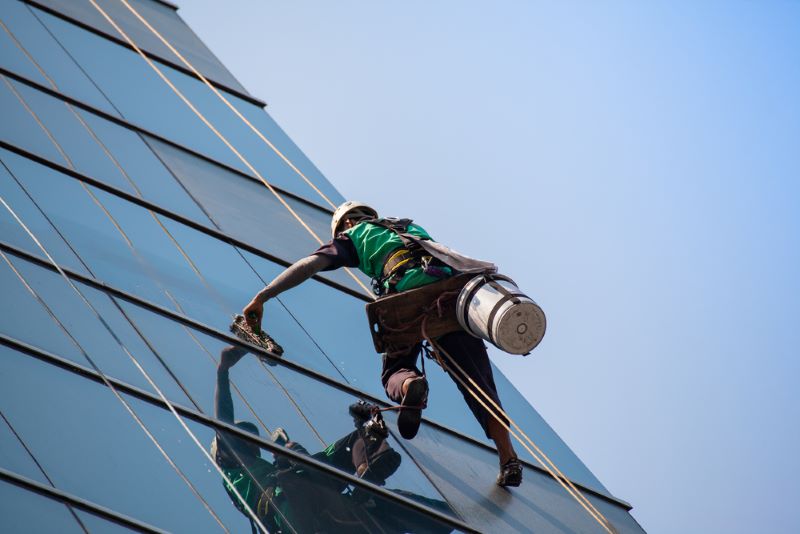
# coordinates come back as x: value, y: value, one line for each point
x: 510, y: 474
x: 361, y: 412
x: 280, y: 437
x: 415, y: 399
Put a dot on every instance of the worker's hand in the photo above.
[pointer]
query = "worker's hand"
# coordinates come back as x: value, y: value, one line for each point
x: 253, y: 313
x: 229, y: 357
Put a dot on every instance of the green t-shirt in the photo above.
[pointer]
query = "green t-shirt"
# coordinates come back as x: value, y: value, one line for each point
x: 244, y: 480
x: 373, y: 243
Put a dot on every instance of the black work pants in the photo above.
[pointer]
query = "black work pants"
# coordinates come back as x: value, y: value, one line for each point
x: 470, y: 354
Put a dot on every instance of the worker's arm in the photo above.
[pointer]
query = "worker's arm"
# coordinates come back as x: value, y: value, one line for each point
x: 223, y: 401
x: 295, y: 274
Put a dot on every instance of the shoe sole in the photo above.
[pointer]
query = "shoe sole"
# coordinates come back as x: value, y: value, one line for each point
x: 408, y: 420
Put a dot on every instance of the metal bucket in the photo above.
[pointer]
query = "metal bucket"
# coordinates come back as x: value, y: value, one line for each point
x: 492, y: 307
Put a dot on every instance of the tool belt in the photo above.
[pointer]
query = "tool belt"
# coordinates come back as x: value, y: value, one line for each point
x: 395, y: 321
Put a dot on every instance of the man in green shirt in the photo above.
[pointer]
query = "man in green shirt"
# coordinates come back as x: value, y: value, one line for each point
x: 399, y: 255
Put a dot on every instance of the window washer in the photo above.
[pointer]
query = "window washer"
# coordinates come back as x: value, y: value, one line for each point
x: 396, y: 264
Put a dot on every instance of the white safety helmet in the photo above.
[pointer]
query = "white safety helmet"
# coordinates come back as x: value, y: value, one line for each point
x: 348, y: 210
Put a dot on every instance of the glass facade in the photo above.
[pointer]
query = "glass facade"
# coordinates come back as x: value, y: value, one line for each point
x: 130, y: 235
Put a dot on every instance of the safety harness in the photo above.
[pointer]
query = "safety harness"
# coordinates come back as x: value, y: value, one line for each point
x: 398, y: 261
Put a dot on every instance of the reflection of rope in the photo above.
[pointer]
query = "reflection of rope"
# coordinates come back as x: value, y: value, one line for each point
x: 133, y: 359
x: 227, y: 102
x: 103, y: 377
x: 41, y: 469
x: 158, y: 221
x: 501, y: 417
x: 222, y: 138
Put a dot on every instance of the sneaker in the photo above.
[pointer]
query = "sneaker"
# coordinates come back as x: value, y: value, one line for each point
x: 510, y: 474
x: 361, y: 411
x: 416, y: 398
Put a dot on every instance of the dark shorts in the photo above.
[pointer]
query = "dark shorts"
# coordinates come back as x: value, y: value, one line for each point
x: 470, y: 354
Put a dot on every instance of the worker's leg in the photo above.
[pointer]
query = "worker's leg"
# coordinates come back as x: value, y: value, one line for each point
x: 470, y: 354
x: 398, y: 370
x: 405, y: 385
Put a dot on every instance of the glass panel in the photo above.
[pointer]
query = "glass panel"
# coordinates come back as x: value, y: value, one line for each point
x: 13, y: 455
x: 82, y: 324
x: 28, y: 48
x: 29, y: 321
x: 546, y: 438
x: 163, y: 18
x: 540, y: 504
x: 204, y: 278
x: 86, y: 226
x: 101, y: 454
x: 142, y: 97
x: 13, y: 234
x: 305, y: 499
x: 41, y: 409
x: 19, y: 126
x: 250, y: 212
x: 271, y: 397
x: 96, y: 147
x: 25, y: 511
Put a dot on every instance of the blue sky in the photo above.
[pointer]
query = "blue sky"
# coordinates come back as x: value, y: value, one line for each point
x: 633, y: 165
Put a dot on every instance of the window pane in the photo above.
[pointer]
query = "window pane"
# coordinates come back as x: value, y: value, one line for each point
x: 143, y: 98
x: 473, y: 494
x: 163, y: 18
x: 308, y: 500
x: 249, y: 211
x: 19, y: 126
x: 271, y: 397
x: 100, y: 453
x: 26, y: 46
x: 14, y: 457
x: 13, y: 234
x: 96, y: 147
x: 25, y: 511
x: 82, y: 324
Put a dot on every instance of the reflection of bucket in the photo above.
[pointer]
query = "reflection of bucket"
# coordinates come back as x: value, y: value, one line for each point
x: 492, y: 307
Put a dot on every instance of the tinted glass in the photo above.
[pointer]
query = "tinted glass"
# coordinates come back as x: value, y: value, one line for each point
x: 13, y: 455
x: 100, y: 453
x: 250, y: 212
x: 465, y: 474
x: 271, y: 396
x: 25, y: 511
x: 86, y: 143
x: 119, y: 450
x: 73, y: 329
x: 308, y: 500
x: 15, y: 235
x: 28, y: 48
x: 142, y: 97
x: 19, y: 126
x: 163, y: 18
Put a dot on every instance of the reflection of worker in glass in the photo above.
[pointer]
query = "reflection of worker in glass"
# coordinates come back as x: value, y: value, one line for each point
x: 287, y: 496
